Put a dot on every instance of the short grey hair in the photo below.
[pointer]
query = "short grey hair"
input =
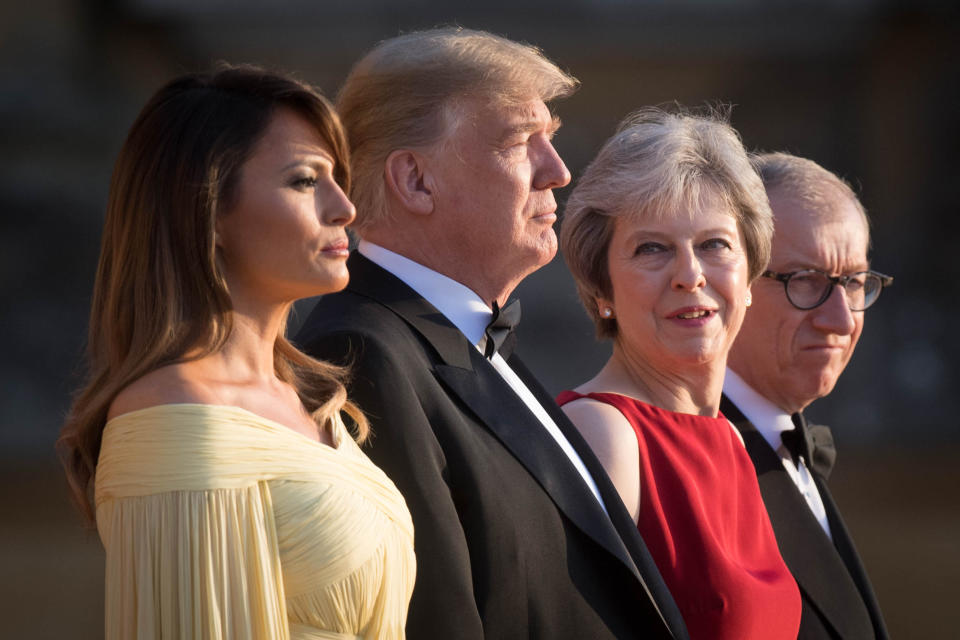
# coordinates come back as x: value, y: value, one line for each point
x: 659, y: 162
x: 818, y: 189
x: 403, y: 95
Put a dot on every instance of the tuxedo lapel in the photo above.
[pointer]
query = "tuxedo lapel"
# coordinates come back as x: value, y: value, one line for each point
x: 472, y: 379
x: 372, y: 281
x: 811, y: 556
x: 522, y: 433
x: 652, y: 580
x: 848, y: 553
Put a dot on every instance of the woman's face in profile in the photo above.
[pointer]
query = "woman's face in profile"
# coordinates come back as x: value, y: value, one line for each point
x: 284, y: 236
x: 679, y: 286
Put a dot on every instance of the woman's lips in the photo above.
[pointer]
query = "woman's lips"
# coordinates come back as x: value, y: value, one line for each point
x: 339, y: 248
x: 692, y: 316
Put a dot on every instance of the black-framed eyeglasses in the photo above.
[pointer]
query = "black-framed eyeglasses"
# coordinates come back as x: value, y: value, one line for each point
x: 810, y: 288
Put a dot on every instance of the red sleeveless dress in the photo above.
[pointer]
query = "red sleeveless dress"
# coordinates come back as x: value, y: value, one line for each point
x: 704, y: 522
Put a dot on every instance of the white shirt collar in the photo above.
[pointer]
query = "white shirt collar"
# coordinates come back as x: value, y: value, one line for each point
x: 460, y: 304
x: 769, y: 419
x: 464, y: 308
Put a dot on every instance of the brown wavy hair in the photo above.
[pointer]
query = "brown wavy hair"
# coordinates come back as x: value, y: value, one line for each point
x: 159, y: 292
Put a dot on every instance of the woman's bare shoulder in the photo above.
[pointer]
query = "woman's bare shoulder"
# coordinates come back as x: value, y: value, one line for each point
x: 172, y: 384
x: 592, y: 410
x: 614, y: 442
x: 599, y: 422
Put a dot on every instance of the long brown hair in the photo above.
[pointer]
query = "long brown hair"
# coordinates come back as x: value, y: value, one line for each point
x: 159, y: 293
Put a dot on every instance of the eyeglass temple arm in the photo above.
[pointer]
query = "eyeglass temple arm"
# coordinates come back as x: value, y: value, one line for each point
x: 885, y: 280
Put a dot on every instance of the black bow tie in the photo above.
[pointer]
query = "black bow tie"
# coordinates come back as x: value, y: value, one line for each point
x: 814, y: 442
x: 499, y: 331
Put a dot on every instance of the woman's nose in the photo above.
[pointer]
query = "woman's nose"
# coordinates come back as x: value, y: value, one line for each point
x: 335, y: 207
x: 688, y: 272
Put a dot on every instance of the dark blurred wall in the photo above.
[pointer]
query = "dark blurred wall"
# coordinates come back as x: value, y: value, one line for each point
x: 869, y: 89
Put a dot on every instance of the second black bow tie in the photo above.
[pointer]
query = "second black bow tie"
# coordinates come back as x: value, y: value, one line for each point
x: 813, y: 442
x: 499, y: 331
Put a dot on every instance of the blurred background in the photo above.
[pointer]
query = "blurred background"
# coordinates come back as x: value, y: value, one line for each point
x: 867, y: 88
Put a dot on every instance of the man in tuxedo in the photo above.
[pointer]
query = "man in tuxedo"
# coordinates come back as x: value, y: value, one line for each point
x: 519, y: 532
x: 806, y: 318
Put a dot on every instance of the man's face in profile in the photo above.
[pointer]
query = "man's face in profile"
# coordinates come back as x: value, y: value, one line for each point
x: 494, y: 179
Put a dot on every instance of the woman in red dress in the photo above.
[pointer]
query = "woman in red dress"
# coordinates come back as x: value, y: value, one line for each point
x: 664, y: 233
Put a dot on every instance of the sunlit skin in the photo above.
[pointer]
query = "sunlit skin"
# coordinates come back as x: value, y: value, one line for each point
x: 482, y: 200
x: 680, y: 288
x: 790, y: 356
x: 679, y: 295
x: 284, y: 238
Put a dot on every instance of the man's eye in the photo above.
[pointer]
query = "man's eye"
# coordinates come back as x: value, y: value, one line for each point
x: 855, y: 284
x: 806, y: 278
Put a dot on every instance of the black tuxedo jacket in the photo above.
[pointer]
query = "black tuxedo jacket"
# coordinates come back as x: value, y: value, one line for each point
x: 510, y: 542
x: 838, y: 601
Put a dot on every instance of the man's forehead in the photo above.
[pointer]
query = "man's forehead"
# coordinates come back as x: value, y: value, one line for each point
x: 530, y: 114
x: 826, y: 205
x: 828, y: 240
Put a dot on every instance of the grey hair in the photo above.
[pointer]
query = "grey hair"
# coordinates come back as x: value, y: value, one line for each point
x: 404, y: 94
x: 659, y: 162
x: 818, y: 189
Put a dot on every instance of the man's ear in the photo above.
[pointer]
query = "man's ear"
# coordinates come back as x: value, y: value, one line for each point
x: 404, y: 171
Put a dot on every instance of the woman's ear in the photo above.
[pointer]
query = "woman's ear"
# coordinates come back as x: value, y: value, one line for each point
x: 405, y: 172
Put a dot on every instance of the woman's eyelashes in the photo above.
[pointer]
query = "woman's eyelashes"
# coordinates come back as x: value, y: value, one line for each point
x: 716, y: 243
x: 711, y: 246
x: 308, y: 174
x: 304, y: 183
x: 649, y: 248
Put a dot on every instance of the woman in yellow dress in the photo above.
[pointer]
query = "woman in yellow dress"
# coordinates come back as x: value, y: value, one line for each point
x: 230, y: 497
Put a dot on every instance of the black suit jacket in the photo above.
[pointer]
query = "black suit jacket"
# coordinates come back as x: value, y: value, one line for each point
x: 510, y: 541
x: 838, y: 601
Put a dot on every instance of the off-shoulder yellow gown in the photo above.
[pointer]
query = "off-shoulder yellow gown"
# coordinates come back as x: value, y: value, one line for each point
x: 219, y: 523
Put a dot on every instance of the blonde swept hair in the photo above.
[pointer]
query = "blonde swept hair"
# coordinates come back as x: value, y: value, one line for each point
x: 657, y: 163
x: 404, y: 94
x: 159, y: 293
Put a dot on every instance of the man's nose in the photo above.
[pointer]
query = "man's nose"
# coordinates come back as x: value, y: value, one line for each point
x: 834, y: 315
x: 551, y: 172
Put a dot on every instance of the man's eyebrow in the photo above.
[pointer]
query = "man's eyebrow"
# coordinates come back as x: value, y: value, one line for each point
x: 529, y: 126
x: 801, y: 265
x: 554, y: 125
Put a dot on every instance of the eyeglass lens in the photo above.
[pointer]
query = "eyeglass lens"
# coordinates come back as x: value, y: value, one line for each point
x: 808, y: 289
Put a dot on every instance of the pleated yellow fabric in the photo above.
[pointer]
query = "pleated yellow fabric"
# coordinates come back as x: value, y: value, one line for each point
x: 219, y: 523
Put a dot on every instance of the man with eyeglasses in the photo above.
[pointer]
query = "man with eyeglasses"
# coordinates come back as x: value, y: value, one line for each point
x: 797, y: 338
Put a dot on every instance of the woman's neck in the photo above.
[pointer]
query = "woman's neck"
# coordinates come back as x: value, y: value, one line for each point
x: 247, y: 356
x: 695, y: 390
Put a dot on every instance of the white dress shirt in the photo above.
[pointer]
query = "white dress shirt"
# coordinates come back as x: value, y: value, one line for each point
x: 471, y: 315
x: 771, y: 421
